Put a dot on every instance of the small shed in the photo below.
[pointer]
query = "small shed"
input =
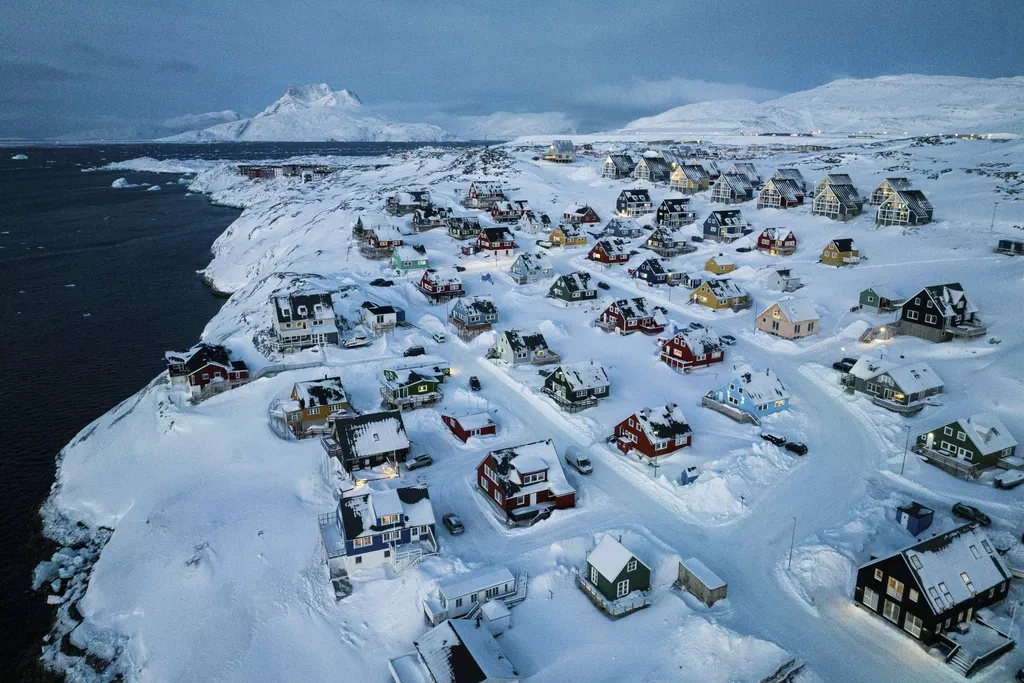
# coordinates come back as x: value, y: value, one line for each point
x: 881, y: 299
x: 703, y: 583
x: 496, y: 617
x: 1011, y: 247
x: 914, y: 517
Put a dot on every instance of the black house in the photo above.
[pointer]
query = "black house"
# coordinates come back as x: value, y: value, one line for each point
x: 674, y: 212
x: 934, y: 585
x: 575, y: 386
x: 634, y: 202
x: 651, y: 271
x: 939, y: 313
x: 367, y: 440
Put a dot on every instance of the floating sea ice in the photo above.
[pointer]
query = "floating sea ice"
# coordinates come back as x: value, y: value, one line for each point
x: 19, y: 157
x: 87, y: 315
x: 122, y: 183
x: 70, y: 285
x: 153, y: 188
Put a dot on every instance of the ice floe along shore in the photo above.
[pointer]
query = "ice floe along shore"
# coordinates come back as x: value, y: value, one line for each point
x: 214, y: 569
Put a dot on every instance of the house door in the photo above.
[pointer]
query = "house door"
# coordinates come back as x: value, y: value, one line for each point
x: 970, y: 613
x: 929, y: 440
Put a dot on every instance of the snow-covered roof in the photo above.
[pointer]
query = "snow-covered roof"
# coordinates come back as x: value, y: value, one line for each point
x: 320, y: 392
x: 531, y: 457
x: 731, y: 217
x: 653, y: 265
x: 584, y: 375
x: 487, y: 187
x: 571, y: 230
x: 576, y: 209
x: 532, y: 341
x: 887, y: 291
x: 361, y: 510
x: 663, y: 422
x: 494, y: 609
x: 915, y: 378
x: 846, y: 194
x: 745, y: 169
x: 576, y: 281
x: 613, y: 246
x: 634, y: 309
x: 622, y: 227
x: 897, y: 183
x: 496, y: 234
x: 636, y: 194
x: 724, y: 288
x: 844, y: 245
x: 721, y: 260
x: 947, y: 297
x: 396, y: 378
x: 369, y: 434
x: 461, y: 651
x: 534, y: 261
x: 668, y: 234
x: 789, y: 174
x: 777, y: 234
x: 480, y: 304
x: 442, y: 277
x: 796, y: 310
x: 736, y: 182
x: 472, y: 421
x: 867, y: 367
x: 703, y: 574
x: 407, y: 253
x: 762, y: 387
x: 563, y: 146
x: 623, y: 162
x: 474, y: 581
x: 308, y: 306
x: 693, y: 173
x: 915, y: 200
x: 674, y: 205
x: 987, y: 433
x: 789, y: 190
x: 701, y: 340
x: 609, y: 557
x: 944, y: 565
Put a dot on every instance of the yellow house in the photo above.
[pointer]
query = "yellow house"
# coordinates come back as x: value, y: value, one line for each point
x: 568, y: 236
x: 720, y: 293
x: 719, y: 265
x: 309, y: 404
x: 840, y: 253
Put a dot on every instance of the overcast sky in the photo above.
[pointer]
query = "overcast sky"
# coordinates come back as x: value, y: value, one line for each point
x: 71, y: 66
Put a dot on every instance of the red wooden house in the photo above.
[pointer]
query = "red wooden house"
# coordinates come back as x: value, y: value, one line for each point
x: 509, y: 212
x: 580, y: 215
x: 654, y: 432
x: 609, y: 251
x: 205, y: 364
x: 474, y: 424
x: 627, y: 316
x: 692, y: 348
x: 777, y: 241
x: 441, y: 286
x: 525, y: 483
x: 385, y: 237
x: 498, y: 241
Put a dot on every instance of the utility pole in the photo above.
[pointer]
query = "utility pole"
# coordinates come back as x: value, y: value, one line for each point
x: 792, y: 541
x: 992, y: 225
x: 655, y: 461
x: 906, y: 445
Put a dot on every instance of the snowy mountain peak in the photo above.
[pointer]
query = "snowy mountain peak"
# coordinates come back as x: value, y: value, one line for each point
x: 314, y: 95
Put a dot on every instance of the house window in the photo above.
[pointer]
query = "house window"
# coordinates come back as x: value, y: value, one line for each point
x: 912, y: 625
x: 361, y: 542
x: 497, y: 497
x: 914, y: 595
x: 930, y: 319
x: 891, y: 611
x: 392, y: 536
x: 458, y: 602
x: 359, y: 559
x: 912, y: 315
x: 878, y: 575
x: 967, y: 582
x: 622, y: 588
x: 631, y: 566
x: 312, y: 411
x: 593, y: 576
x: 520, y: 500
x: 483, y: 483
x: 960, y: 436
x: 948, y: 431
x: 894, y: 588
x: 810, y: 327
x: 870, y: 599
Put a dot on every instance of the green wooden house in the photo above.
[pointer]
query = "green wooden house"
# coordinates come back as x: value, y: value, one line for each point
x: 975, y: 443
x: 405, y: 259
x: 406, y: 389
x: 615, y: 571
x: 573, y: 288
x: 881, y: 299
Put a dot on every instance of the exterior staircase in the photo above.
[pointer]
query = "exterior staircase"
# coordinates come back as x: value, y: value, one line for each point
x: 958, y: 660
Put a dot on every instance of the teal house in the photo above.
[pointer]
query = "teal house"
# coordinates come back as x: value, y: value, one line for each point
x: 405, y: 259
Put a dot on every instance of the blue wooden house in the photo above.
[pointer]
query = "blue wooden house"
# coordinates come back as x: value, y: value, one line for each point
x: 725, y: 225
x: 389, y: 527
x: 757, y: 393
x: 914, y: 517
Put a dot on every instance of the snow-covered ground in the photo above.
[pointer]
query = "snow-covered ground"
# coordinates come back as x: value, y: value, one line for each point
x: 214, y: 569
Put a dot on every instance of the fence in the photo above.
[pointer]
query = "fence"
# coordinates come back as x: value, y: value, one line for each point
x: 614, y: 609
x: 729, y: 411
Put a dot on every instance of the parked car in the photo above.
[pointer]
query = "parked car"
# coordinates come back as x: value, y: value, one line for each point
x: 972, y: 513
x: 381, y: 282
x: 696, y: 238
x: 440, y: 338
x: 796, y: 447
x: 696, y: 325
x: 579, y: 460
x: 774, y: 438
x: 414, y: 351
x: 743, y: 250
x: 474, y: 383
x: 356, y: 342
x: 1010, y: 480
x: 728, y: 339
x: 844, y: 365
x: 460, y: 269
x: 602, y: 284
x: 453, y: 524
x: 419, y: 461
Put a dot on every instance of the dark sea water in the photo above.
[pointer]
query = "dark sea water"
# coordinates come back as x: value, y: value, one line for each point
x: 95, y: 283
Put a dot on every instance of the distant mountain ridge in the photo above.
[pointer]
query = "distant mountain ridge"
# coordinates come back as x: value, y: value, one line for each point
x: 912, y: 104
x: 315, y: 113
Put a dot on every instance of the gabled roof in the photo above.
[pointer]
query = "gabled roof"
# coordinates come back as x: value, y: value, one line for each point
x: 404, y: 377
x: 623, y: 162
x: 724, y: 288
x: 700, y: 340
x: 320, y: 392
x: 944, y: 565
x: 987, y: 433
x: 583, y: 375
x: 478, y: 304
x: 914, y: 200
x: 762, y: 387
x: 369, y: 434
x: 731, y: 217
x: 946, y: 297
x: 563, y: 146
x: 576, y: 281
x: 847, y: 195
x: 496, y: 234
x: 460, y: 651
x: 474, y: 581
x: 359, y: 513
x: 796, y: 310
x: 777, y: 234
x: 843, y: 245
x: 201, y: 355
x: 674, y: 205
x: 287, y: 307
x: 657, y: 166
x: 534, y: 261
x: 578, y: 209
x: 695, y: 174
x: 531, y: 341
x: 867, y: 367
x: 668, y: 233
x: 513, y: 462
x: 897, y: 183
x: 654, y: 265
x: 636, y: 194
x: 837, y: 179
x: 464, y: 223
x: 472, y: 421
x: 912, y: 379
x: 737, y: 183
x: 789, y: 174
x: 622, y: 226
x: 613, y: 246
x: 886, y: 292
x: 745, y: 169
x: 789, y: 190
x: 407, y: 253
x: 570, y: 230
x: 442, y: 277
x: 632, y: 309
x: 663, y: 422
x: 491, y: 187
x: 609, y: 557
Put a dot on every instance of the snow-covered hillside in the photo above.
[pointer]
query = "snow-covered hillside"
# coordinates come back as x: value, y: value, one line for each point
x: 505, y: 125
x: 914, y: 104
x: 215, y: 570
x: 315, y: 113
